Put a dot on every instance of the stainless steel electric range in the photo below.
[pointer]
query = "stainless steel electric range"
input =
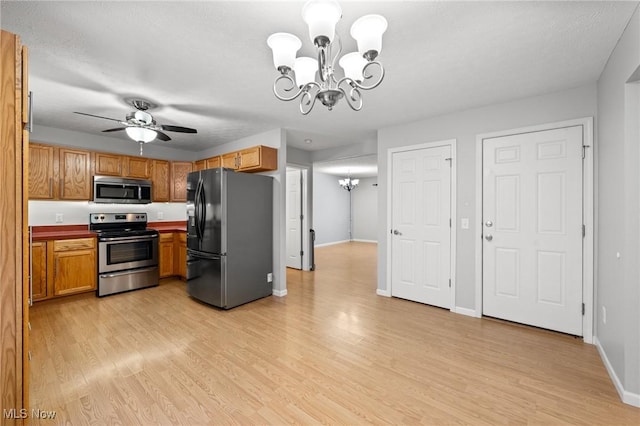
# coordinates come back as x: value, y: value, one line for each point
x: 127, y: 252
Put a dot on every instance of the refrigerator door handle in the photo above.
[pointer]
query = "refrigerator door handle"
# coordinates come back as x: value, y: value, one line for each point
x: 197, y: 212
x: 202, y: 218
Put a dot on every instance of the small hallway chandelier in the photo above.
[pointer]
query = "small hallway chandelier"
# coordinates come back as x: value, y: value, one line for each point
x: 298, y: 75
x: 348, y: 183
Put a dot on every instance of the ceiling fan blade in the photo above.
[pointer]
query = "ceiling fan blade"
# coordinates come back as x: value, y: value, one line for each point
x: 114, y: 130
x: 178, y: 129
x: 97, y: 116
x: 162, y: 136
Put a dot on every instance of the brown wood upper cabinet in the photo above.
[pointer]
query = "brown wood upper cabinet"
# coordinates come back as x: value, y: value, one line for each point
x: 108, y: 164
x: 41, y: 175
x: 179, y: 172
x: 255, y: 159
x: 59, y: 173
x: 75, y: 174
x: 160, y: 180
x: 207, y: 163
x: 122, y: 165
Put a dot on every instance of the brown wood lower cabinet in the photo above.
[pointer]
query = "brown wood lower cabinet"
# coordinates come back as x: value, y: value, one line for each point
x: 165, y: 258
x: 180, y: 266
x: 63, y: 267
x: 173, y: 254
x: 39, y: 270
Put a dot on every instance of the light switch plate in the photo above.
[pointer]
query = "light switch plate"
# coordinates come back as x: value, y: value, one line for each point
x: 464, y: 223
x: 59, y: 218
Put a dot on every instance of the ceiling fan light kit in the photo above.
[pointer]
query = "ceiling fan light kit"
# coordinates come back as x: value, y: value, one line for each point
x: 298, y: 75
x: 140, y: 125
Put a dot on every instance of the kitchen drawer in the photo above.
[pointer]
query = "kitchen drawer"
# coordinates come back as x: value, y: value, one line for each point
x: 76, y: 244
x: 166, y: 237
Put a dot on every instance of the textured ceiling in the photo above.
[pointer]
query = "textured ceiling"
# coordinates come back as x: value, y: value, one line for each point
x: 206, y: 64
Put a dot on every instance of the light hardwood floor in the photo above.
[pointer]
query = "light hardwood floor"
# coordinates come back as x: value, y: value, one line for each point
x: 331, y: 351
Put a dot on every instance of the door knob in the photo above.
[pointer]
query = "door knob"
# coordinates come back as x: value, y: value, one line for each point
x: 489, y: 237
x: 396, y: 232
x: 489, y: 224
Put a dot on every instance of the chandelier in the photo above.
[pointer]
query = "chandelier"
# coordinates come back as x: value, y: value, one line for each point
x: 348, y: 183
x: 298, y: 75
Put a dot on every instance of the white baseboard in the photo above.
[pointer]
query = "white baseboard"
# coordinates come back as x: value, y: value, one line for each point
x: 365, y: 241
x: 626, y: 396
x: 331, y: 243
x: 279, y: 293
x: 466, y: 311
x: 384, y: 293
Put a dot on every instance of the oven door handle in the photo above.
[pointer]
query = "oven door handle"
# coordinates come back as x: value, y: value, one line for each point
x: 134, y: 239
x: 128, y: 272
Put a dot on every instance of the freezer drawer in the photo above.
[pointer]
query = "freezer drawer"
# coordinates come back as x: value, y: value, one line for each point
x: 205, y: 279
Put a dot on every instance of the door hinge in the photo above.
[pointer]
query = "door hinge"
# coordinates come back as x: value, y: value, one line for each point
x: 584, y: 231
x: 583, y: 309
x: 301, y: 217
x: 449, y: 282
x: 449, y: 222
x: 584, y: 151
x: 301, y: 253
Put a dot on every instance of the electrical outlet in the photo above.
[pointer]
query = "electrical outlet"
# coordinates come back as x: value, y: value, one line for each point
x: 464, y: 223
x: 269, y: 277
x: 160, y: 215
x: 604, y: 315
x: 59, y: 218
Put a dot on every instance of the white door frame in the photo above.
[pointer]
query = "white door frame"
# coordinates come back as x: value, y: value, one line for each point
x: 587, y: 209
x: 306, y: 219
x: 454, y: 159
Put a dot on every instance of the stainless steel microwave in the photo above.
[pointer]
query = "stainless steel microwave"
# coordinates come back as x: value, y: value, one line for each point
x: 111, y: 189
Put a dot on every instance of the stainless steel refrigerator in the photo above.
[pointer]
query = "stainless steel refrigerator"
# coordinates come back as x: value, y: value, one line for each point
x: 229, y: 237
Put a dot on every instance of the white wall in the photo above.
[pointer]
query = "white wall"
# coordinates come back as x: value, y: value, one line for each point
x: 77, y: 212
x: 365, y: 210
x: 464, y: 126
x: 618, y: 210
x: 330, y: 209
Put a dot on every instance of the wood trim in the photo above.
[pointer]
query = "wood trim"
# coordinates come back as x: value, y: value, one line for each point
x: 12, y: 214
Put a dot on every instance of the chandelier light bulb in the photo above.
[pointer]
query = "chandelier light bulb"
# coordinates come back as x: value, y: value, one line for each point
x: 321, y: 16
x: 367, y: 31
x: 353, y: 63
x: 284, y: 46
x: 305, y: 69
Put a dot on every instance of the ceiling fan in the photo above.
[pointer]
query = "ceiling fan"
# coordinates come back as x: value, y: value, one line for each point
x: 141, y: 126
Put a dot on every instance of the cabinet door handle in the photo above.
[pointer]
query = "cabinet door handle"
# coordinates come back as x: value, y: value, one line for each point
x: 30, y: 113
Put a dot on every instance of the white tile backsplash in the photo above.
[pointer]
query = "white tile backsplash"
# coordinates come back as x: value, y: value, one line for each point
x: 77, y: 212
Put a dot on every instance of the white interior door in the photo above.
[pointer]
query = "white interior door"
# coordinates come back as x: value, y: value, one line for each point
x: 532, y: 229
x: 294, y: 219
x: 421, y: 222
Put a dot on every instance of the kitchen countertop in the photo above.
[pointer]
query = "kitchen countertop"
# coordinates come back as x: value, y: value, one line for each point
x: 60, y: 232
x: 66, y: 232
x: 175, y: 226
